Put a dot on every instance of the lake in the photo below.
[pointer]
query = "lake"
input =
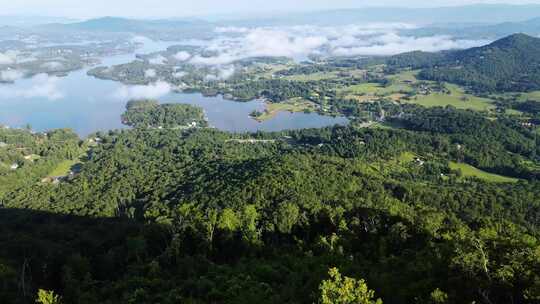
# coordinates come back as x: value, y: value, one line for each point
x: 87, y: 104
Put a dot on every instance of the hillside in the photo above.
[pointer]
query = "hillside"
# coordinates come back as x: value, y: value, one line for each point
x: 509, y: 64
x: 203, y: 216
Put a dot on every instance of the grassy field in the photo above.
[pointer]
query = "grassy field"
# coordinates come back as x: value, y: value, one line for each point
x: 405, y: 76
x: 312, y: 77
x: 530, y: 96
x: 457, y: 98
x: 63, y: 168
x: 376, y: 89
x: 33, y: 157
x: 403, y: 81
x: 272, y: 69
x: 406, y: 157
x: 324, y: 75
x: 292, y: 105
x: 470, y: 171
x: 368, y: 91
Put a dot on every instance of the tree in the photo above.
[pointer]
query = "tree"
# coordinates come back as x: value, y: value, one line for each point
x: 47, y: 297
x: 287, y: 217
x: 345, y: 290
x: 228, y: 220
x: 439, y: 296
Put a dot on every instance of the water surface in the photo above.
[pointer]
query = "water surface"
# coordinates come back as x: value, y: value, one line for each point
x: 87, y: 104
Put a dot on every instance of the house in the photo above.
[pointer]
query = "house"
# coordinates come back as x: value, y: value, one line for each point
x: 419, y: 161
x: 527, y: 124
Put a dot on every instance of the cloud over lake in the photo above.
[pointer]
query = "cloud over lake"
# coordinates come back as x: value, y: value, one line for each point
x: 299, y: 42
x: 11, y: 75
x: 151, y: 91
x: 39, y: 86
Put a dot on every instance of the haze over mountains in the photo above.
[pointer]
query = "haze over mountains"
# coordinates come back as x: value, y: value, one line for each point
x: 470, y: 14
x: 474, y: 22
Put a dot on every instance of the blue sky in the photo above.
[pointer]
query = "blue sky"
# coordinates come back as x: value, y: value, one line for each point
x: 171, y: 8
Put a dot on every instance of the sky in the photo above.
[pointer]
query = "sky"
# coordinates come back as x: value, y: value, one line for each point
x: 182, y: 8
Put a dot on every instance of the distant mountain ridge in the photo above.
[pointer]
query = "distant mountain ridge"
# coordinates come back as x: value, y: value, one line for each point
x: 491, y: 31
x: 165, y: 29
x: 471, y: 14
x: 118, y: 24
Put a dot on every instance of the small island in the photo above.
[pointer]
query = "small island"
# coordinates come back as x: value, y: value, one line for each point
x: 151, y: 114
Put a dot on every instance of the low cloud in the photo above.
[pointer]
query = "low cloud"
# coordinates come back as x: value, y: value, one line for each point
x: 11, y: 75
x: 8, y: 57
x: 158, y: 60
x: 150, y: 73
x: 391, y: 44
x: 298, y: 42
x: 221, y: 73
x: 261, y: 42
x: 41, y: 85
x: 140, y: 39
x: 179, y: 74
x: 231, y: 29
x: 52, y: 65
x: 182, y: 56
x: 226, y: 72
x: 151, y: 91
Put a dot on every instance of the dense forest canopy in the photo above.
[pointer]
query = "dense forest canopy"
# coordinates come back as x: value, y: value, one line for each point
x: 149, y: 113
x: 203, y: 216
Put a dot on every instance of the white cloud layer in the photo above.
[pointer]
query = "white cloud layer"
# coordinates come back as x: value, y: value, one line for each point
x: 150, y: 73
x: 298, y: 42
x: 11, y: 75
x: 150, y: 91
x: 52, y: 65
x: 391, y: 44
x: 8, y: 57
x: 182, y: 56
x: 158, y: 60
x: 179, y: 74
x: 39, y: 86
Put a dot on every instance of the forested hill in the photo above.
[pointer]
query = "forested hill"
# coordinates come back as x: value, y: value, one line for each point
x: 508, y: 64
x: 151, y: 114
x: 444, y: 210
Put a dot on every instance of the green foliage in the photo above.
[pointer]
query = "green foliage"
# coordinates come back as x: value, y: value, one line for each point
x: 149, y: 113
x: 439, y: 296
x: 47, y: 297
x: 489, y: 68
x: 345, y: 290
x: 203, y: 216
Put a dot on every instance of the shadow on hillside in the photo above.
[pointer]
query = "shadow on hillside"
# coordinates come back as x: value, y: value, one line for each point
x: 36, y: 247
x: 43, y: 250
